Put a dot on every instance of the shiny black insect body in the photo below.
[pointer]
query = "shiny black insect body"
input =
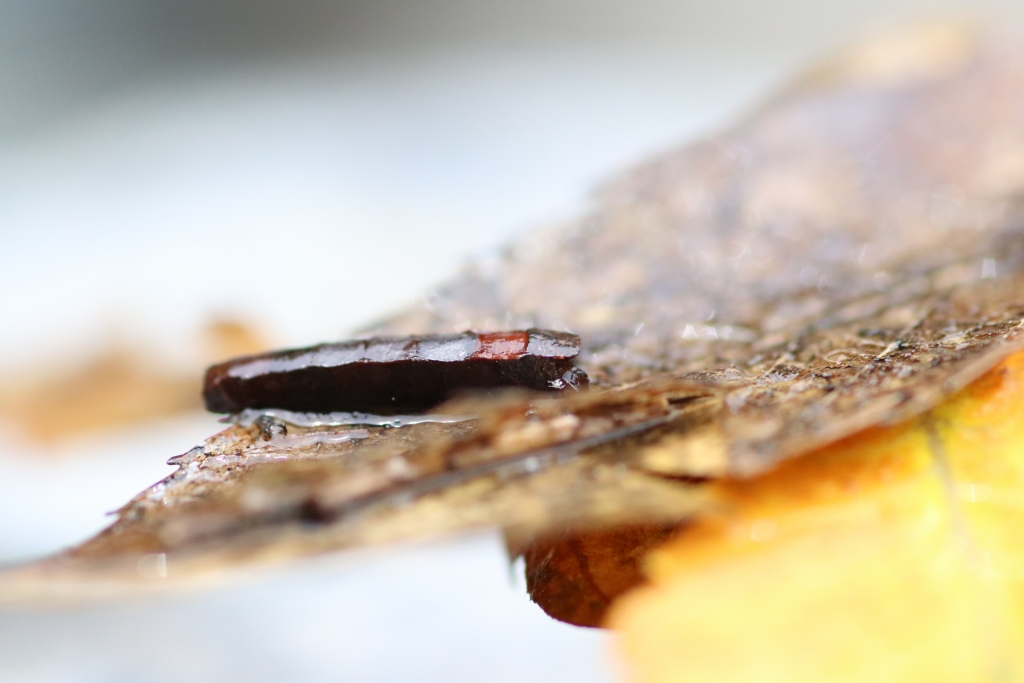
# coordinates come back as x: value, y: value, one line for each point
x: 389, y: 375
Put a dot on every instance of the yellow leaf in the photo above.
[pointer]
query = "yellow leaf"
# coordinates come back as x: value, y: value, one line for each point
x: 895, y: 555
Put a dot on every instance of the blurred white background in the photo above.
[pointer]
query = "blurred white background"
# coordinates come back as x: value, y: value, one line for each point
x: 309, y: 166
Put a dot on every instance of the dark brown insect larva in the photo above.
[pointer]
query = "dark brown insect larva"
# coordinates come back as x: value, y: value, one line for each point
x: 389, y: 375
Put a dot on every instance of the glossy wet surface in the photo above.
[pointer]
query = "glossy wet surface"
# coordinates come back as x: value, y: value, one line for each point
x: 394, y: 374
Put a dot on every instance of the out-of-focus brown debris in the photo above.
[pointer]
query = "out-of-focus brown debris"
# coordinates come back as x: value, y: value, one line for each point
x: 226, y: 337
x: 120, y: 386
x: 575, y: 577
x: 123, y: 384
x: 847, y: 257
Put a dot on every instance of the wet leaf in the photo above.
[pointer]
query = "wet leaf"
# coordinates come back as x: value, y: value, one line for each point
x: 253, y: 494
x: 892, y: 555
x: 847, y: 258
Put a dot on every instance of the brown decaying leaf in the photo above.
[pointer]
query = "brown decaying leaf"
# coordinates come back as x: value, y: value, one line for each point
x: 847, y: 257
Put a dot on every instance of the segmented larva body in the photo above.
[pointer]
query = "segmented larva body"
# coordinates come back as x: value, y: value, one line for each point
x: 388, y: 375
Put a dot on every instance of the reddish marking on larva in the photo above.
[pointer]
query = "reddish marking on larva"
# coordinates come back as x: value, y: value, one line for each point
x: 501, y: 345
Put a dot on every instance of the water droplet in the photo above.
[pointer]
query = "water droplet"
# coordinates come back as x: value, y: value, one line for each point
x: 153, y: 566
